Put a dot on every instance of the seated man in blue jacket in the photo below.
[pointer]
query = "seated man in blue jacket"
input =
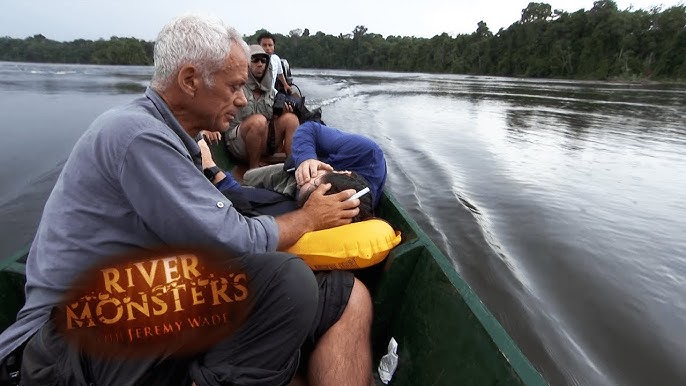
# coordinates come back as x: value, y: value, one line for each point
x: 319, y: 150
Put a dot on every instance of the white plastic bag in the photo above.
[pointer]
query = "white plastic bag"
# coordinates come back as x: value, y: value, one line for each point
x: 389, y: 362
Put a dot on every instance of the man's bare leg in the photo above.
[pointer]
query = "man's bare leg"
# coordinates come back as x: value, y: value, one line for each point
x: 343, y: 356
x: 285, y: 127
x: 254, y: 132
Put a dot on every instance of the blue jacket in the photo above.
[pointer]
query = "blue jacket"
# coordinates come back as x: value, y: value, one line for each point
x: 343, y: 151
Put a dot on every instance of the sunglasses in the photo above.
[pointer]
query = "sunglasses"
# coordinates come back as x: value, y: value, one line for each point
x: 256, y: 59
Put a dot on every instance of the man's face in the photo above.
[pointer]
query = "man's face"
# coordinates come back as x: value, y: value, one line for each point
x: 267, y: 45
x: 258, y: 65
x: 307, y: 188
x: 216, y: 106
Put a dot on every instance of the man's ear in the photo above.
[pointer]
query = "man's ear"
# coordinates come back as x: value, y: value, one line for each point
x: 189, y: 80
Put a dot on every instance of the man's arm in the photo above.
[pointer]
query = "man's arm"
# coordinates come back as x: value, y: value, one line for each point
x: 286, y: 86
x: 279, y: 73
x: 187, y: 209
x: 343, y: 151
x: 312, y: 141
x: 319, y: 212
x: 315, y: 140
x: 221, y: 180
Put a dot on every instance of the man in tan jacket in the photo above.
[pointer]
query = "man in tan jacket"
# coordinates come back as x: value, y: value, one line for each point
x: 259, y: 129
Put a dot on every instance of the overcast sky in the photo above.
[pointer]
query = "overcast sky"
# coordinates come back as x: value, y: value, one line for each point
x: 67, y: 20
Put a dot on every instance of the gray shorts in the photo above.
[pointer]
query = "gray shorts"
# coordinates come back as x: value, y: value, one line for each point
x: 293, y: 308
x: 271, y: 177
x: 234, y: 143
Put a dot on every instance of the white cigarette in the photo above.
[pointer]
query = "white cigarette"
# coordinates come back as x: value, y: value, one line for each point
x: 359, y: 194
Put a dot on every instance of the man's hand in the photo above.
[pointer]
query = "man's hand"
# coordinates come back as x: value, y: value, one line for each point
x: 319, y: 212
x: 328, y: 211
x: 288, y: 108
x: 212, y: 136
x: 309, y: 169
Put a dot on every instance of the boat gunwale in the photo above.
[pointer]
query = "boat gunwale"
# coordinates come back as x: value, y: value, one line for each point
x: 504, y: 342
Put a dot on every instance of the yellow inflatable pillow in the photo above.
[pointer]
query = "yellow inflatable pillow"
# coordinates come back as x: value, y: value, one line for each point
x: 355, y: 245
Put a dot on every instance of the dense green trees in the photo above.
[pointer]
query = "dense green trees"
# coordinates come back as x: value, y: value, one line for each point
x: 40, y: 49
x: 601, y: 43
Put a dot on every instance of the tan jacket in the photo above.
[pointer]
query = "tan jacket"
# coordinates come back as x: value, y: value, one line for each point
x: 263, y: 105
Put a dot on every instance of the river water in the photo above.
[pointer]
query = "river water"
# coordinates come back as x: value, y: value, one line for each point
x: 560, y: 202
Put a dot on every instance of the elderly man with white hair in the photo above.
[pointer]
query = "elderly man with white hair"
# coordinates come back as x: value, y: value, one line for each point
x: 134, y: 182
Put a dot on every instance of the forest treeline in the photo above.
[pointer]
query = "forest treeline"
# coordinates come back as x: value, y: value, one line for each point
x: 601, y: 43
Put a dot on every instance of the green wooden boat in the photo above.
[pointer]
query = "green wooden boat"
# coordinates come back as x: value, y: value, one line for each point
x: 445, y: 334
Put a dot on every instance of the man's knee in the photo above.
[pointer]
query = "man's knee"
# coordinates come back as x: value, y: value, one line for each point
x: 287, y: 122
x: 359, y: 306
x: 299, y: 286
x: 255, y: 121
x: 254, y: 126
x: 292, y: 284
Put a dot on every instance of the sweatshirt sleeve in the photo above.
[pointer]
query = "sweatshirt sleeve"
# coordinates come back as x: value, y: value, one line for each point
x: 312, y: 140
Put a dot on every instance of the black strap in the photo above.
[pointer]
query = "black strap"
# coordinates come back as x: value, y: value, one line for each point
x: 271, y: 138
x: 10, y: 367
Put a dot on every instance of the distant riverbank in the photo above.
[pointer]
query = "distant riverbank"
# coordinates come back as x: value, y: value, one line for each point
x: 603, y: 43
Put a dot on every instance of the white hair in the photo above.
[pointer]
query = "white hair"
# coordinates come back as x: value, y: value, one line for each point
x: 202, y: 41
